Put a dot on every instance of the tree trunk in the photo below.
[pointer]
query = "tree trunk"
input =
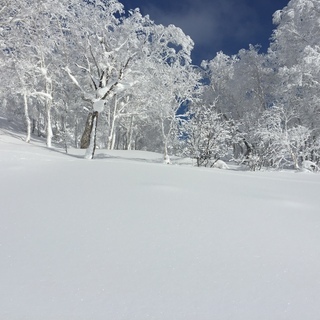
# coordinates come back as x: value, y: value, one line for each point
x: 85, y: 139
x: 165, y: 137
x: 76, y: 132
x: 64, y: 126
x: 113, y: 140
x: 49, y: 125
x: 294, y: 159
x: 26, y: 113
x: 129, y: 143
x: 249, y: 149
x: 112, y: 128
x: 166, y: 153
x: 49, y: 91
x: 92, y: 137
x: 34, y: 124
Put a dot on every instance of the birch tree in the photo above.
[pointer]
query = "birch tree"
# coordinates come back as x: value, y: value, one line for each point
x: 112, y: 62
x: 31, y: 35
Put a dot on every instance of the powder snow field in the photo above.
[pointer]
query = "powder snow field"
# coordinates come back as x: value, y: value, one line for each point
x: 125, y: 237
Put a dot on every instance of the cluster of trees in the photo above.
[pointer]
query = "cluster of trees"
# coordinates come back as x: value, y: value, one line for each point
x: 86, y: 73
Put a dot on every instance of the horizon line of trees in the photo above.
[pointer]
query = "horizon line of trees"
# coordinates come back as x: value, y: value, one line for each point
x: 87, y: 74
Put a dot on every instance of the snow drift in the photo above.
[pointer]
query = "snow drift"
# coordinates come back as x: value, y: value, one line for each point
x: 126, y: 237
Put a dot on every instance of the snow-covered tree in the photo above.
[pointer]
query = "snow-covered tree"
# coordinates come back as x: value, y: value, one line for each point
x: 240, y: 87
x: 298, y: 26
x: 208, y: 135
x: 278, y: 140
x: 119, y: 59
x: 32, y: 33
x: 296, y: 54
x: 178, y: 88
x: 220, y: 72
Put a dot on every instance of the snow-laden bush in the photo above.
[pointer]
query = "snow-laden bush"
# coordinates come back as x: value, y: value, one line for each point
x: 208, y: 135
x: 310, y: 166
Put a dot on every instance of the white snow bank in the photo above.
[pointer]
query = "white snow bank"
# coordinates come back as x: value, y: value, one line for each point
x: 118, y: 238
x: 310, y: 166
x: 220, y: 164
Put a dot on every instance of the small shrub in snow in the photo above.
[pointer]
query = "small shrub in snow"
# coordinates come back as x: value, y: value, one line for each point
x: 310, y: 166
x: 220, y: 164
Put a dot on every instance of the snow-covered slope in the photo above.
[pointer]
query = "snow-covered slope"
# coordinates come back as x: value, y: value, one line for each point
x: 125, y: 237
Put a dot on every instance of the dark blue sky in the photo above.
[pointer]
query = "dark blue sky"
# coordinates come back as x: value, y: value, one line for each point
x: 215, y: 25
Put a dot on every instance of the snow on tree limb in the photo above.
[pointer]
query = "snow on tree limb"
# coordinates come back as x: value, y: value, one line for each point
x: 120, y: 77
x: 74, y: 80
x: 41, y: 94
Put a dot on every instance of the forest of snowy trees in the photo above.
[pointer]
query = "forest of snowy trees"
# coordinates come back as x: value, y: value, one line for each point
x: 87, y: 74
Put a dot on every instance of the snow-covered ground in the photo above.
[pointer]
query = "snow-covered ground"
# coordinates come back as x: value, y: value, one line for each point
x: 125, y: 237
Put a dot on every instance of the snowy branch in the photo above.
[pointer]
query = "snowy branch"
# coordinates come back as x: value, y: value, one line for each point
x: 120, y: 77
x: 74, y: 80
x: 41, y: 94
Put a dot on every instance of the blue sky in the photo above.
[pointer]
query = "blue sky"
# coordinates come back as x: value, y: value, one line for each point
x: 215, y: 25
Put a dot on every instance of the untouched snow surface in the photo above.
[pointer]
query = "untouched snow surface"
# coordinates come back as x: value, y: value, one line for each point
x: 125, y: 237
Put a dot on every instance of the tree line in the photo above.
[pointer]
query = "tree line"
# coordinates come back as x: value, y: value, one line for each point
x: 88, y: 74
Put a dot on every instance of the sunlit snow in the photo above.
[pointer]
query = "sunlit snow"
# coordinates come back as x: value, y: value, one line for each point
x: 124, y: 236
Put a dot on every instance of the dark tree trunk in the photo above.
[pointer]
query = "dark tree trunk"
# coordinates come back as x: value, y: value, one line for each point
x: 34, y: 124
x: 94, y: 132
x: 89, y: 137
x: 249, y: 148
x: 85, y: 139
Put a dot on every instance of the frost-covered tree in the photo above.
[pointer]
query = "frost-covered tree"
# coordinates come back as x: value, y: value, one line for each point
x: 251, y: 86
x: 118, y: 60
x: 278, y: 140
x: 178, y: 88
x: 101, y: 69
x: 298, y: 26
x: 170, y: 81
x: 295, y: 50
x: 71, y: 57
x: 220, y: 72
x: 240, y: 87
x: 208, y: 135
x: 31, y: 35
x: 296, y: 54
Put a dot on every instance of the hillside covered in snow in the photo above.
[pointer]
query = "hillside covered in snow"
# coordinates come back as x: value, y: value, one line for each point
x: 125, y: 237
